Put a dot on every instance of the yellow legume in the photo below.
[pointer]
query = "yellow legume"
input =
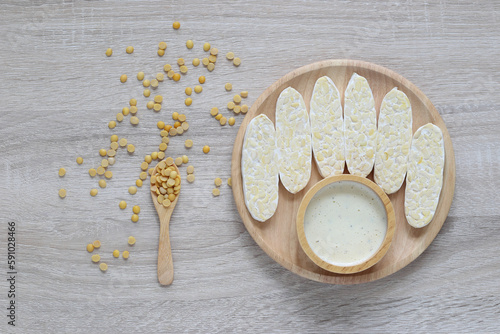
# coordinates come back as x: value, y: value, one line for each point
x: 123, y: 78
x: 206, y: 149
x: 103, y: 266
x: 119, y: 117
x: 190, y: 169
x: 62, y: 171
x: 93, y: 192
x: 100, y: 170
x: 140, y: 76
x: 129, y: 49
x: 214, y: 51
x: 144, y: 165
x: 154, y: 83
x: 230, y: 105
x: 223, y: 120
x: 237, y: 99
x: 201, y: 79
x: 190, y: 178
x: 236, y: 109
x: 154, y: 155
x: 125, y: 111
x: 185, y: 126
x: 183, y: 69
x: 212, y: 58
x: 147, y: 92
x: 104, y: 163
x: 218, y: 117
x: 196, y: 61
x: 114, y: 138
x: 206, y: 46
x: 122, y: 142
x: 112, y: 124
x: 229, y: 182
x: 177, y: 77
x: 228, y: 87
x: 133, y: 102
x: 122, y: 205
x: 244, y: 93
x: 189, y: 44
x: 135, y: 218
x: 162, y: 45
x: 175, y: 115
x: 62, y: 193
x: 109, y: 52
x: 215, y: 192
x: 181, y: 117
x: 102, y: 183
x: 150, y: 105
x: 143, y: 175
x: 210, y: 67
x: 178, y: 162
x: 131, y: 240
x: 231, y: 121
x: 132, y: 190
x: 170, y: 74
x: 116, y: 253
x: 160, y: 52
x: 108, y: 174
x: 167, y: 68
x: 214, y: 111
x: 146, y: 83
x: 180, y: 61
x: 90, y: 248
x: 92, y: 172
x: 162, y: 147
x: 176, y: 25
x: 188, y: 91
x: 158, y: 99
x: 79, y: 160
x: 236, y: 61
x: 103, y: 152
x: 205, y: 61
x: 230, y: 55
x: 130, y: 148
x: 188, y: 143
x: 96, y: 244
x: 188, y: 101
x: 136, y: 209
x: 134, y: 120
x: 112, y: 160
x: 198, y: 89
x: 160, y: 124
x: 96, y: 258
x: 244, y: 109
x: 218, y: 181
x: 138, y: 182
x: 125, y: 254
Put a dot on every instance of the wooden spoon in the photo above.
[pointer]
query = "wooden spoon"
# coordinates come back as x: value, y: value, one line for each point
x: 165, y: 263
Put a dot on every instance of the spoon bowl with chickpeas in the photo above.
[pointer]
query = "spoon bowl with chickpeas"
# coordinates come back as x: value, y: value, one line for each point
x: 165, y: 190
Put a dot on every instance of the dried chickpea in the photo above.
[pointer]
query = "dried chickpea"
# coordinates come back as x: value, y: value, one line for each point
x: 185, y: 126
x: 79, y: 160
x: 180, y: 61
x: 201, y: 79
x: 206, y: 149
x: 237, y: 99
x: 212, y: 58
x: 100, y: 170
x: 154, y: 155
x: 158, y: 99
x: 143, y: 176
x: 92, y: 172
x: 230, y: 105
x: 144, y: 165
x: 231, y: 121
x: 223, y: 120
x: 183, y: 69
x: 161, y: 155
x: 136, y: 209
x: 179, y: 130
x: 206, y: 47
x: 62, y: 171
x: 148, y: 159
x: 138, y: 182
x: 96, y: 244
x: 188, y: 91
x: 244, y: 109
x: 162, y: 46
x: 133, y: 110
x: 196, y: 61
x: 176, y: 25
x: 62, y: 193
x: 96, y: 258
x: 160, y: 52
x: 198, y: 89
x: 188, y: 143
x: 140, y: 76
x: 123, y: 78
x: 236, y: 109
x: 167, y: 68
x: 218, y: 117
x: 210, y: 67
x: 157, y: 107
x: 170, y: 74
x: 93, y: 192
x: 188, y: 101
x: 228, y: 87
x: 109, y: 52
x: 178, y: 162
x: 177, y: 77
x: 175, y: 115
x: 119, y: 117
x: 102, y: 183
x: 111, y: 160
x: 146, y: 92
x: 122, y: 142
x: 190, y: 169
x: 218, y: 181
x: 236, y: 61
x: 150, y: 105
x: 160, y: 124
x: 230, y: 55
x: 130, y: 148
x: 190, y: 178
x: 112, y: 124
x: 105, y: 163
x: 132, y: 190
x: 205, y: 61
x: 214, y: 111
x: 125, y: 254
x: 215, y: 192
x: 229, y: 182
x: 244, y: 93
x: 181, y: 118
x: 154, y: 83
x: 134, y: 120
x: 146, y: 83
x: 129, y: 49
x: 122, y: 205
x: 116, y: 253
x: 189, y: 44
x: 125, y: 111
x: 162, y: 147
x: 131, y: 240
x: 214, y: 51
x: 113, y: 138
x: 111, y: 153
x: 90, y: 248
x: 103, y: 152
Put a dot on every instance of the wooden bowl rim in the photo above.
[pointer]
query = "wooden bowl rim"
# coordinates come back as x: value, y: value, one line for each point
x: 384, y: 247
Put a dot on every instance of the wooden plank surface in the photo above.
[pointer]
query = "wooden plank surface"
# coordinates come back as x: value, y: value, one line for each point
x: 59, y: 91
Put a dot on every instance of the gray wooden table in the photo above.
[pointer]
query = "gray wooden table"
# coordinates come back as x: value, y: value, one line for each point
x: 58, y: 92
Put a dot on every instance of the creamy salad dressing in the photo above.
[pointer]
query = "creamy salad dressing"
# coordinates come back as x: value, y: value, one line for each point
x: 345, y: 223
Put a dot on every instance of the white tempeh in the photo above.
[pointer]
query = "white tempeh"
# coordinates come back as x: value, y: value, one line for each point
x: 360, y: 126
x: 327, y: 128
x: 259, y: 168
x: 424, y: 178
x: 393, y: 141
x: 293, y: 138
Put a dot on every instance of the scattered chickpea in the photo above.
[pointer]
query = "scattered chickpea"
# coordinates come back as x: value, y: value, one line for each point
x: 119, y: 117
x: 154, y: 155
x: 212, y: 58
x: 146, y: 92
x: 198, y: 89
x: 167, y: 68
x: 230, y: 55
x: 129, y: 49
x: 210, y: 67
x: 92, y: 172
x: 231, y: 121
x: 236, y: 61
x: 93, y: 192
x: 237, y: 109
x: 188, y: 143
x: 154, y: 83
x: 189, y: 44
x: 62, y: 193
x: 102, y: 183
x: 134, y: 120
x: 138, y: 182
x: 131, y: 240
x: 150, y: 105
x: 214, y: 111
x: 132, y: 190
x: 237, y: 99
x: 116, y: 253
x: 79, y: 160
x: 125, y: 111
x: 244, y: 94
x: 177, y: 77
x: 100, y: 170
x: 218, y: 117
x: 183, y: 69
x: 229, y: 182
x: 136, y: 209
x: 140, y: 76
x: 135, y: 218
x: 113, y: 138
x: 109, y: 52
x: 218, y: 181
x: 230, y: 105
x: 160, y: 52
x: 122, y: 205
x: 103, y: 266
x: 90, y: 248
x: 201, y: 79
x: 123, y: 78
x: 125, y: 254
x: 122, y: 142
x: 96, y: 258
x: 214, y: 51
x: 62, y: 171
x: 146, y: 83
x: 196, y: 61
x: 180, y: 61
x: 130, y: 148
x: 206, y: 149
x: 188, y: 101
x: 176, y: 25
x: 244, y: 109
x: 206, y: 47
x: 133, y: 110
x: 190, y: 169
x: 96, y: 244
x: 205, y: 61
x: 158, y: 99
x: 215, y: 192
x: 162, y: 45
x: 228, y: 87
x: 112, y: 124
x: 181, y: 117
x: 190, y: 178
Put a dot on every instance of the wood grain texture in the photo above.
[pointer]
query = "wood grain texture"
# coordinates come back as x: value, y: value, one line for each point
x: 367, y: 263
x: 278, y: 236
x: 59, y: 91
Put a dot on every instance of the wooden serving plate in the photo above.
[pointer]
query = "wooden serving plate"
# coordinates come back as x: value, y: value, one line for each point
x: 278, y: 236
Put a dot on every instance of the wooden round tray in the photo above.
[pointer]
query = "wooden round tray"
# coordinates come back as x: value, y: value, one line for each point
x: 278, y: 236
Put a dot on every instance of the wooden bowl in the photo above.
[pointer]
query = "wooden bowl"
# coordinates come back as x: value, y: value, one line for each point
x: 369, y: 262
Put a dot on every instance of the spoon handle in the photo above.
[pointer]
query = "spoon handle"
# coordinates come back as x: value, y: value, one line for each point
x: 165, y: 263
